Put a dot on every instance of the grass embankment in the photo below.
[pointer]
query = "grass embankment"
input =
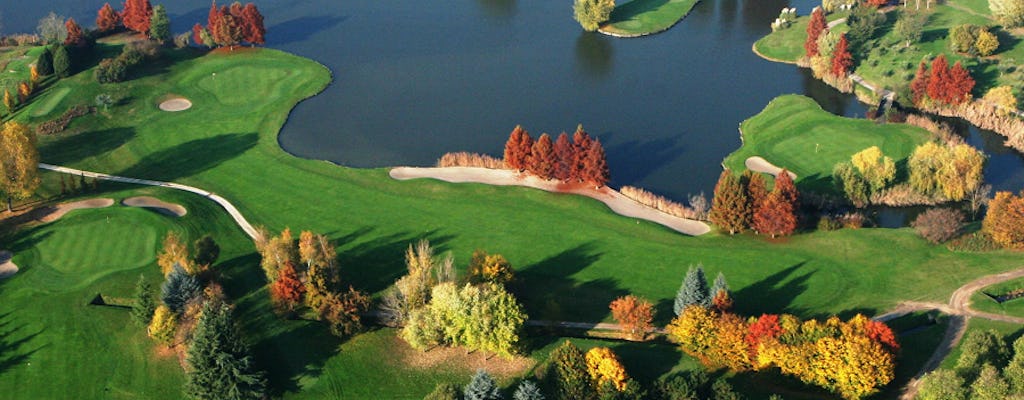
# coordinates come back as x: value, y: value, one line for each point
x: 646, y: 17
x: 890, y: 63
x: 982, y: 302
x: 793, y: 132
x: 572, y: 255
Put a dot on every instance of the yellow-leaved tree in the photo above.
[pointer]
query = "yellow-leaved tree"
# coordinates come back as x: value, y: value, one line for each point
x: 174, y: 252
x: 875, y: 167
x: 19, y: 162
x: 604, y: 368
x: 1003, y: 98
x: 163, y: 325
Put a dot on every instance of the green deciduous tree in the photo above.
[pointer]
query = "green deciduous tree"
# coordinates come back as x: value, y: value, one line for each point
x: 693, y: 291
x: 592, y: 13
x: 19, y: 162
x: 143, y: 305
x: 910, y: 26
x: 989, y: 385
x: 980, y: 348
x: 1014, y: 371
x: 729, y: 207
x: 481, y: 387
x: 942, y: 384
x: 851, y: 183
x: 484, y: 318
x: 219, y: 363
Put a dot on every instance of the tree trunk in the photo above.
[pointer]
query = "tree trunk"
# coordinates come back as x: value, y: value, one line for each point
x: 9, y: 204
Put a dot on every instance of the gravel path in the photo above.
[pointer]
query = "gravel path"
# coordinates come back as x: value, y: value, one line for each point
x: 616, y: 201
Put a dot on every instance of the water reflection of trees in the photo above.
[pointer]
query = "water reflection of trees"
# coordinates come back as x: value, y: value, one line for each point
x: 594, y: 54
x: 829, y: 98
x: 498, y: 9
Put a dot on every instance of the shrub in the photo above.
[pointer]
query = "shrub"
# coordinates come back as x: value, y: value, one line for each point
x: 592, y: 13
x: 60, y: 124
x: 829, y: 223
x: 111, y: 70
x: 658, y: 202
x: 987, y: 43
x: 482, y: 387
x: 465, y: 159
x: 938, y: 225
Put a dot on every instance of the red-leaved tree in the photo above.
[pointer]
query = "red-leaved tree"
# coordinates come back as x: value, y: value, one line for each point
x: 542, y: 158
x: 775, y: 217
x: 213, y: 19
x: 137, y: 14
x: 595, y: 170
x: 815, y: 27
x: 565, y: 154
x: 787, y: 189
x: 287, y: 291
x: 766, y: 327
x: 581, y: 141
x: 958, y: 90
x: 939, y: 78
x: 107, y: 19
x: 634, y: 314
x: 75, y: 35
x: 842, y: 60
x: 515, y: 158
x: 255, y: 32
x: 197, y: 34
x: 919, y: 86
x: 757, y: 189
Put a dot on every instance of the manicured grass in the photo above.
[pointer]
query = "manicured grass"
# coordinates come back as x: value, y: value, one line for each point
x: 645, y: 17
x: 793, y: 132
x: 982, y: 302
x: 787, y: 45
x: 45, y: 104
x: 572, y: 256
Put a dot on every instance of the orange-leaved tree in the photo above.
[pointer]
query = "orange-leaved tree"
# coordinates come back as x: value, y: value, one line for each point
x: 542, y: 158
x: 136, y: 15
x: 729, y: 207
x: 815, y: 27
x: 634, y: 314
x: 287, y: 291
x: 75, y: 35
x: 515, y: 157
x: 842, y: 60
x: 107, y: 19
x: 565, y: 155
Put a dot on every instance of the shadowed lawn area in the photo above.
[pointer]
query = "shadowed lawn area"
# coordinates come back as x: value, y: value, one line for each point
x: 572, y: 255
x: 644, y: 17
x: 793, y: 132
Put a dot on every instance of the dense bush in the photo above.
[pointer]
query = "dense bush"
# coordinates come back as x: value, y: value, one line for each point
x: 938, y: 225
x: 111, y: 70
x: 973, y: 40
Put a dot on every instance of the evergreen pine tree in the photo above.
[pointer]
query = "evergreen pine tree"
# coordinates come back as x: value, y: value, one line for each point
x: 61, y: 62
x: 719, y: 285
x: 694, y: 290
x: 179, y: 288
x: 569, y: 376
x: 542, y: 161
x: 44, y: 65
x: 729, y: 208
x: 220, y: 366
x: 565, y: 156
x: 160, y: 25
x: 143, y: 306
x: 527, y: 390
x: 481, y: 387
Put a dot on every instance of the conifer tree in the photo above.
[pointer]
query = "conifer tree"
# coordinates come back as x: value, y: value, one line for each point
x: 565, y: 155
x: 720, y: 285
x: 757, y: 189
x: 693, y: 291
x: 179, y: 289
x: 220, y: 366
x: 775, y: 217
x: 143, y: 306
x: 595, y: 170
x: 75, y: 35
x: 568, y: 374
x: 255, y: 32
x: 45, y: 62
x: 729, y: 208
x: 160, y: 25
x: 938, y: 78
x: 482, y: 387
x: 919, y: 86
x: 581, y: 141
x: 542, y: 161
x: 960, y: 85
x: 787, y: 188
x: 527, y: 390
x: 842, y: 60
x: 514, y: 157
x: 815, y: 27
x: 61, y: 62
x: 107, y: 19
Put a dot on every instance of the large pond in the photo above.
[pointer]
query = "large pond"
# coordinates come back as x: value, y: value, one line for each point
x: 415, y: 79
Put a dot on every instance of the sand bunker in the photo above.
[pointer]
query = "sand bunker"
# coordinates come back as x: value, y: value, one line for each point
x: 176, y: 104
x: 171, y: 209
x: 758, y: 164
x: 616, y: 201
x: 7, y: 268
x: 53, y: 213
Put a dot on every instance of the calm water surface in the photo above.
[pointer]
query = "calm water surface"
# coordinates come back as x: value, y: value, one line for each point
x: 413, y: 81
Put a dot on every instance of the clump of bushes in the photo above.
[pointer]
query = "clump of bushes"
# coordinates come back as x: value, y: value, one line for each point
x: 466, y: 159
x: 785, y: 19
x: 20, y: 39
x: 60, y: 124
x: 973, y: 39
x: 112, y: 70
x: 938, y: 225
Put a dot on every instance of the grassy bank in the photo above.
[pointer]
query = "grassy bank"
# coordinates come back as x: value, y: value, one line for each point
x: 982, y: 302
x: 645, y: 17
x: 793, y: 132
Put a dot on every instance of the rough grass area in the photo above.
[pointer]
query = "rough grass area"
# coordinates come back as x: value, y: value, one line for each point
x: 793, y: 132
x: 572, y: 255
x: 645, y: 17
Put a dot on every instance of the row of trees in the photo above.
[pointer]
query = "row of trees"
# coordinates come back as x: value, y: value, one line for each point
x: 434, y: 310
x: 230, y: 26
x: 304, y: 275
x: 482, y: 386
x: 828, y: 53
x: 940, y: 83
x: 581, y: 160
x: 853, y: 359
x: 744, y: 202
x: 194, y: 316
x: 987, y: 369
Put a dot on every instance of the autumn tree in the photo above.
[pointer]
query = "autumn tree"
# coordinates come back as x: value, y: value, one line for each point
x: 757, y: 189
x: 729, y: 208
x: 491, y: 268
x: 634, y: 314
x: 595, y: 167
x: 160, y: 25
x: 484, y: 317
x: 287, y: 291
x: 1004, y: 221
x: 107, y: 19
x: 787, y: 188
x: 218, y: 359
x: 255, y: 32
x: 775, y: 217
x: 322, y: 272
x: 24, y: 90
x: 721, y: 297
x: 605, y: 368
x: 842, y: 60
x: 9, y: 104
x: 343, y: 311
x: 919, y: 85
x: 765, y: 328
x: 878, y: 169
x: 163, y: 325
x: 33, y: 73
x: 542, y: 161
x: 137, y: 15
x: 1008, y: 12
x: 19, y: 162
x: 173, y: 253
x: 229, y: 29
x: 565, y: 156
x: 75, y: 37
x: 568, y: 373
x: 1002, y: 97
x: 815, y: 27
x: 694, y: 330
x: 592, y: 13
x: 938, y: 78
x: 515, y: 156
x: 960, y: 85
x: 275, y: 251
x: 581, y: 142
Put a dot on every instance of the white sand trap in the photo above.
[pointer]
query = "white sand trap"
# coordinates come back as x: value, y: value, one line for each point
x: 172, y: 209
x: 176, y: 104
x: 758, y: 164
x: 7, y: 268
x: 619, y: 203
x: 55, y: 212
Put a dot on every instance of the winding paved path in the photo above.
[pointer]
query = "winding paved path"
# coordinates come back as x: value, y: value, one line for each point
x: 230, y: 208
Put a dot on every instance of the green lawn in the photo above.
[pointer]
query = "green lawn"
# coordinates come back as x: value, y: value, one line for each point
x: 572, y: 255
x: 645, y: 17
x: 787, y: 45
x: 793, y: 132
x: 981, y: 302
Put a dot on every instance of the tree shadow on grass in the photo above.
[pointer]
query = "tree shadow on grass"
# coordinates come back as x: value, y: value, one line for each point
x: 648, y: 361
x: 774, y: 294
x: 300, y: 29
x: 374, y: 265
x: 192, y: 157
x: 77, y: 147
x: 13, y: 352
